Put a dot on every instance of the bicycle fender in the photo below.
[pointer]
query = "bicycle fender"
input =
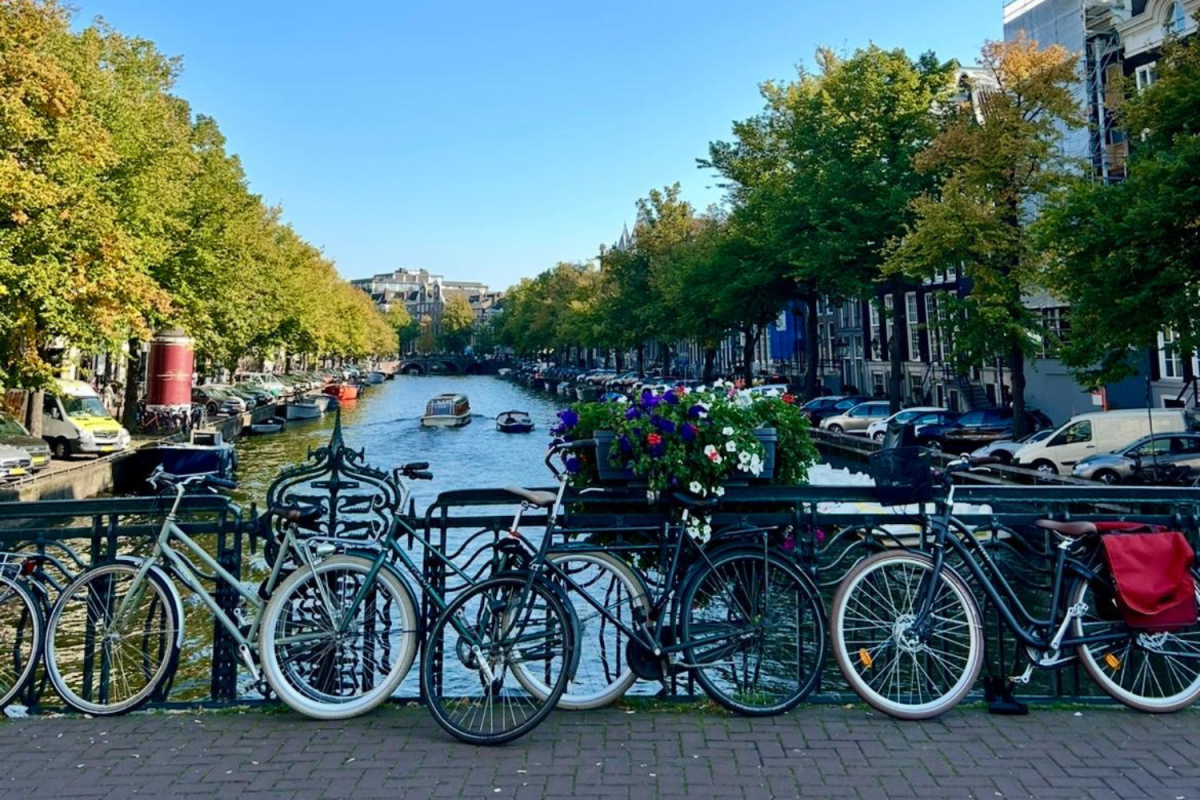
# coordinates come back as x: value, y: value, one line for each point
x: 176, y: 598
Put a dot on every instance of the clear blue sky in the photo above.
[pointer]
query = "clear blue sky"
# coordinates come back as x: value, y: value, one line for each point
x: 487, y: 140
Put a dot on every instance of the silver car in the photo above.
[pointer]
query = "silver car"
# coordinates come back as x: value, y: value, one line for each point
x: 1174, y: 449
x: 1005, y: 448
x: 859, y: 418
x: 15, y: 463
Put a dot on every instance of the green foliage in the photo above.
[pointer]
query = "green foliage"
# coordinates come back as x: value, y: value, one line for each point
x: 1127, y: 255
x: 458, y: 323
x: 121, y: 214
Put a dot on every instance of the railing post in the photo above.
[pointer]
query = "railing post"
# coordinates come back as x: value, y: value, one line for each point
x: 225, y: 662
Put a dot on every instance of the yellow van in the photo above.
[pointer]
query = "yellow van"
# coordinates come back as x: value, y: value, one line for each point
x: 74, y: 420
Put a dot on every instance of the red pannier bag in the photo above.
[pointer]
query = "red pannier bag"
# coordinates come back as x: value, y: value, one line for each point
x: 1153, y: 573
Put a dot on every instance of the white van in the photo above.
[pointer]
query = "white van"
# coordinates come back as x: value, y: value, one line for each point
x: 1100, y: 432
x: 74, y: 420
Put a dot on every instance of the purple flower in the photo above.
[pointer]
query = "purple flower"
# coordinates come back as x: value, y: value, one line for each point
x: 688, y: 432
x: 671, y: 399
x: 557, y: 430
x: 572, y: 465
x: 625, y: 444
x: 649, y: 399
x: 569, y: 417
x: 664, y: 425
x: 696, y: 411
x: 656, y: 451
x: 632, y: 413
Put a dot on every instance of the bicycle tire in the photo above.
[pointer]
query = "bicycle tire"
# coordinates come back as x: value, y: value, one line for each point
x: 602, y: 662
x: 486, y: 614
x: 896, y: 656
x: 73, y: 621
x: 778, y: 623
x: 329, y: 679
x: 22, y: 634
x: 1137, y: 657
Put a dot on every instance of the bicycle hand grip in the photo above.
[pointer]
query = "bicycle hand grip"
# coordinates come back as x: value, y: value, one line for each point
x: 220, y: 483
x: 421, y: 475
x: 415, y: 466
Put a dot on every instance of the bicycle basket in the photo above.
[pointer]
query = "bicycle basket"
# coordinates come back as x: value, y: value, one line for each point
x: 903, y: 475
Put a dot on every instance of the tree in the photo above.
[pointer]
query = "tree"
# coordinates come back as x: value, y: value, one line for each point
x: 1128, y: 254
x: 995, y: 160
x: 458, y: 323
x: 402, y: 325
x: 427, y: 342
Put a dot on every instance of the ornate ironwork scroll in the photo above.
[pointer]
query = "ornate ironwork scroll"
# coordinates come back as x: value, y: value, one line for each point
x: 359, y: 500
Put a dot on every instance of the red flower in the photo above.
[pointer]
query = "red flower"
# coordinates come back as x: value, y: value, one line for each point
x: 654, y: 440
x: 790, y: 399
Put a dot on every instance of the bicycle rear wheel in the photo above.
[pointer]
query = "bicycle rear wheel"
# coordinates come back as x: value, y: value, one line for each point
x: 888, y: 659
x: 755, y: 631
x: 22, y: 632
x: 1158, y: 672
x: 102, y: 663
x: 322, y: 669
x: 603, y: 675
x: 468, y: 672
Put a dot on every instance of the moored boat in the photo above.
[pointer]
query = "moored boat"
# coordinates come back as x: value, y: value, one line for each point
x: 269, y: 425
x: 342, y: 391
x: 586, y: 393
x: 447, y: 411
x: 514, y: 422
x: 376, y: 377
x: 303, y: 409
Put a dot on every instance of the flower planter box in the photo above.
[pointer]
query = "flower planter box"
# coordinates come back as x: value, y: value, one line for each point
x: 606, y: 440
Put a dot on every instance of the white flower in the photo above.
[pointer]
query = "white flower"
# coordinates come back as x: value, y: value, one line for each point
x: 695, y: 488
x: 727, y: 431
x: 731, y: 446
x: 719, y: 491
x: 744, y: 457
x: 718, y: 383
x: 709, y: 450
x: 623, y: 400
x: 707, y: 531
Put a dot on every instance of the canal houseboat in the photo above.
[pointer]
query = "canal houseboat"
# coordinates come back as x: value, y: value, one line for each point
x: 447, y: 411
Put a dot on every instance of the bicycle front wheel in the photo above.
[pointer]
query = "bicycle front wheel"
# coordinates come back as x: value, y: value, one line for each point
x: 21, y: 634
x: 603, y: 675
x: 754, y: 630
x: 112, y: 640
x: 327, y: 659
x: 469, y: 671
x: 1158, y: 672
x: 902, y: 662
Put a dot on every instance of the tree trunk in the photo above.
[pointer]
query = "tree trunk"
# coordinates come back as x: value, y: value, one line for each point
x: 1017, y: 360
x: 811, y: 346
x: 710, y: 364
x: 620, y: 357
x: 895, y: 357
x: 666, y: 358
x: 133, y: 386
x: 33, y: 413
x: 749, y: 340
x: 641, y: 358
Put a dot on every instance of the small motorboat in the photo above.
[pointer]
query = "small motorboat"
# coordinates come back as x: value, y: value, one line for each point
x: 376, y: 377
x: 307, y: 408
x: 269, y: 425
x: 342, y: 391
x: 447, y: 411
x: 514, y: 422
x: 586, y: 393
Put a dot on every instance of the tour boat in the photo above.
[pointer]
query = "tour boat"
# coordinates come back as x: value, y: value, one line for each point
x: 342, y: 391
x: 514, y: 422
x: 307, y: 408
x: 447, y: 411
x: 269, y: 425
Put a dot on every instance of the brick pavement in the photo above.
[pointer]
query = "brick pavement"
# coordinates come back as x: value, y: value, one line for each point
x: 616, y: 753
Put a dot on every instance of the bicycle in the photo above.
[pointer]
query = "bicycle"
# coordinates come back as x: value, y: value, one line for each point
x: 116, y: 631
x: 908, y: 632
x: 736, y: 612
x: 22, y: 627
x: 355, y: 613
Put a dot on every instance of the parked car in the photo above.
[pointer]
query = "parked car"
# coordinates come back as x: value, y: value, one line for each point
x: 14, y: 434
x: 1098, y: 432
x: 263, y: 380
x: 1174, y: 449
x: 858, y: 418
x: 1003, y: 449
x: 74, y: 419
x: 976, y: 428
x: 878, y: 429
x: 819, y: 408
x: 216, y: 400
x: 14, y: 463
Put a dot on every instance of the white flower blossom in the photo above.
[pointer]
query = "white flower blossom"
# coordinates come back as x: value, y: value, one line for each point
x: 695, y: 488
x: 731, y: 446
x: 727, y: 431
x: 719, y: 491
x: 623, y: 400
x: 709, y: 450
x: 718, y: 383
x: 744, y: 457
x: 707, y: 529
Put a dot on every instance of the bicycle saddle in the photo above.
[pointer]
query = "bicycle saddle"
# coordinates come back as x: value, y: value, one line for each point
x: 533, y: 497
x: 304, y: 516
x: 1067, y: 528
x: 693, y: 503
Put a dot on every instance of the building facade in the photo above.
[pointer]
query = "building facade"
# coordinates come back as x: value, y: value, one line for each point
x: 424, y: 296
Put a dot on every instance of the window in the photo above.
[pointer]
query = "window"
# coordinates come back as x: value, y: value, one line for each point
x: 1075, y: 434
x: 935, y: 319
x: 781, y: 322
x: 1170, y: 365
x: 1056, y: 327
x: 971, y: 418
x: 1176, y: 19
x: 876, y: 349
x: 1146, y: 76
x: 889, y: 317
x: 877, y: 383
x: 914, y: 332
x: 855, y: 313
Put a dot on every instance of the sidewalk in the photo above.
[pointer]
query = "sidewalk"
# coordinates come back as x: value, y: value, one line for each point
x: 616, y: 753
